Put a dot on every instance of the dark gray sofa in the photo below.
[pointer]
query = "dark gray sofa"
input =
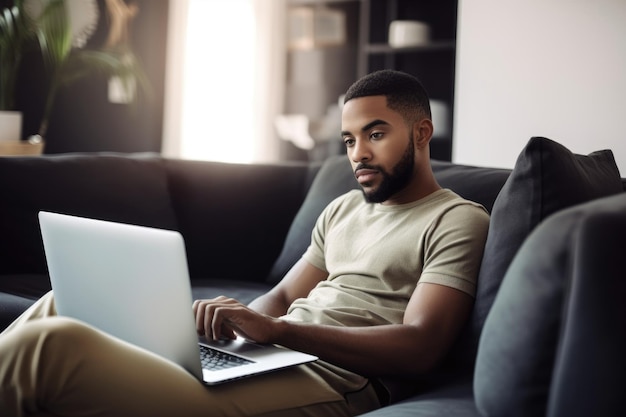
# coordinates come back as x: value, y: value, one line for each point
x: 547, y: 333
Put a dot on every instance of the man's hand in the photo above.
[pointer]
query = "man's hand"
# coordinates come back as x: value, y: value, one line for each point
x: 224, y: 317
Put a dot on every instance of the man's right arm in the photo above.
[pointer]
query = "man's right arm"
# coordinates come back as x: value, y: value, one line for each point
x: 297, y: 283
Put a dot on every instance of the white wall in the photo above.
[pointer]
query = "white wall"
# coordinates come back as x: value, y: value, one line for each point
x: 554, y: 68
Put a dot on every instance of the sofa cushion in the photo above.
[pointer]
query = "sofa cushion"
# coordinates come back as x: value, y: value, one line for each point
x: 11, y: 306
x: 518, y: 346
x: 334, y: 178
x: 479, y: 184
x: 234, y: 217
x: 449, y: 400
x: 124, y: 188
x: 546, y: 178
x: 244, y: 291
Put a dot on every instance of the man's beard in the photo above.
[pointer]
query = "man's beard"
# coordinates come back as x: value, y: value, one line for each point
x: 395, y: 181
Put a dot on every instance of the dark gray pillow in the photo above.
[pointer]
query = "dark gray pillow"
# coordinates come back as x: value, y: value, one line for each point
x: 547, y: 177
x: 479, y: 184
x: 516, y: 356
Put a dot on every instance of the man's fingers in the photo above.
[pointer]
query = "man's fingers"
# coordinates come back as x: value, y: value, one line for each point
x: 220, y: 324
x: 210, y: 321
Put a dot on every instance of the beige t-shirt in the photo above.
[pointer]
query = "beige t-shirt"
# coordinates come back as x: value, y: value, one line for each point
x: 376, y: 254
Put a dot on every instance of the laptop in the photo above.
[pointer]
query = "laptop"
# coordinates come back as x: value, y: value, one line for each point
x: 133, y: 283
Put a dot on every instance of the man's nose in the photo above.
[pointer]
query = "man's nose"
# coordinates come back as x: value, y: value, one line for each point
x: 361, y: 151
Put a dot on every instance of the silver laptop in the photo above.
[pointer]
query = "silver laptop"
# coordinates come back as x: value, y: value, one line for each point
x: 133, y: 283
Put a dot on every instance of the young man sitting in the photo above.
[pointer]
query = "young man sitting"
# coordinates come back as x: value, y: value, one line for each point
x: 383, y: 290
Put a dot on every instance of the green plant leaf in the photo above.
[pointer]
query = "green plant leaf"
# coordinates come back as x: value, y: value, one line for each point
x: 50, y: 30
x: 67, y: 64
x: 16, y: 31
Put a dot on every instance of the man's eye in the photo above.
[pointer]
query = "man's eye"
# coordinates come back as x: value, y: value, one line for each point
x: 348, y: 142
x: 376, y: 135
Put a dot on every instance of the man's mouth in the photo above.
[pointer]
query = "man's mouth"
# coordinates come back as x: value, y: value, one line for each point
x: 365, y: 175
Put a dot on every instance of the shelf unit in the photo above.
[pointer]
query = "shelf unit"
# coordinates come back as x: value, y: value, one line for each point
x: 367, y: 49
x: 385, y: 48
x: 433, y: 63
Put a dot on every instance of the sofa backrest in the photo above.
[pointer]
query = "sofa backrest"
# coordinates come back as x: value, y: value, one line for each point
x: 117, y: 187
x: 234, y: 217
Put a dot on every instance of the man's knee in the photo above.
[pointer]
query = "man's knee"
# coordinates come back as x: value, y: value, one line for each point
x: 66, y: 331
x: 53, y: 334
x: 39, y: 356
x: 43, y: 341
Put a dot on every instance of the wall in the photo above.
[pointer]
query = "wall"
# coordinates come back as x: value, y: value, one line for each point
x: 554, y: 68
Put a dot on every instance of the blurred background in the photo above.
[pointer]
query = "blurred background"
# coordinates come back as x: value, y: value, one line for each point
x: 262, y: 80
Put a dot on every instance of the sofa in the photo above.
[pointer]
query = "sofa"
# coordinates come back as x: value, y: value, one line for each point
x: 548, y: 329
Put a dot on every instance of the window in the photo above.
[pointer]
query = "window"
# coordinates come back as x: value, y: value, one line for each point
x: 225, y: 79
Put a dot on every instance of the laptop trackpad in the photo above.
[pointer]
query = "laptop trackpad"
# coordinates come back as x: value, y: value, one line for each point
x: 246, y: 348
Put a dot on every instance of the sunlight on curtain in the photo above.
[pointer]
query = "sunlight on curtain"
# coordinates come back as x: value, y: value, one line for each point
x: 217, y: 97
x: 225, y: 79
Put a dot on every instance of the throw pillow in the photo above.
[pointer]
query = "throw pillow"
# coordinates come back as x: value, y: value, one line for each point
x: 546, y: 178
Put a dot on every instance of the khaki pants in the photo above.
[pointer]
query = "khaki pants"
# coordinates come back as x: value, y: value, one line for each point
x: 56, y: 366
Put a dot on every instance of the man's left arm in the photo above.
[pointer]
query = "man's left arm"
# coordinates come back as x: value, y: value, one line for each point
x: 432, y: 321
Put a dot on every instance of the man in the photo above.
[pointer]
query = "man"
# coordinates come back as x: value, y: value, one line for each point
x: 383, y: 290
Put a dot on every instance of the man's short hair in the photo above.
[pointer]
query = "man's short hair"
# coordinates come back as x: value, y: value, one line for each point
x: 404, y: 92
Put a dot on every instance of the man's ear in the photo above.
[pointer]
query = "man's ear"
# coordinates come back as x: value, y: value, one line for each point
x: 422, y: 132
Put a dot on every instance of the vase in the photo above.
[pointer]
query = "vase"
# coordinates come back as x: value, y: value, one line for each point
x: 10, y: 126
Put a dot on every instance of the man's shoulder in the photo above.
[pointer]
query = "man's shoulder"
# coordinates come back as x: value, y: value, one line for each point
x: 461, y: 211
x: 452, y: 199
x: 447, y: 207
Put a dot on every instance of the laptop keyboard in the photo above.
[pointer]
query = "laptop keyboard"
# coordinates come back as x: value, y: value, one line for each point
x: 215, y: 360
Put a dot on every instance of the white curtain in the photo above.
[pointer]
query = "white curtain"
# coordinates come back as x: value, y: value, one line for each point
x: 224, y: 88
x: 270, y: 81
x: 174, y: 80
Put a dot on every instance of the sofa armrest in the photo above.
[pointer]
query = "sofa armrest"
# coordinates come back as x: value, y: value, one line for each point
x: 590, y: 370
x: 554, y: 340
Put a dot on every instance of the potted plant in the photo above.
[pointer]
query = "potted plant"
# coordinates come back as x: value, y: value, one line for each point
x: 46, y: 24
x: 66, y: 63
